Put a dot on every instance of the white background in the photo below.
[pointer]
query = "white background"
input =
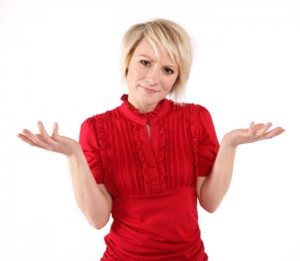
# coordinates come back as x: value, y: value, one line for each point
x: 59, y: 61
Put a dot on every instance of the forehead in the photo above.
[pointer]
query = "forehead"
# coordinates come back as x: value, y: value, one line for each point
x: 153, y: 51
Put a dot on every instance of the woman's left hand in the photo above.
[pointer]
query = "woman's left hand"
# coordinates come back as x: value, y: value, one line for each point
x: 255, y: 132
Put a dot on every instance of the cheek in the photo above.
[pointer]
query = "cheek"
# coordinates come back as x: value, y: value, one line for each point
x: 170, y: 83
x: 133, y: 73
x: 130, y: 76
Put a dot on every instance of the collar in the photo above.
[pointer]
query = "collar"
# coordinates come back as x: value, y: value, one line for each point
x: 151, y: 117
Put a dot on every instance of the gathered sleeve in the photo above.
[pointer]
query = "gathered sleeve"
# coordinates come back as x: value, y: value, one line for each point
x: 88, y: 140
x: 206, y: 144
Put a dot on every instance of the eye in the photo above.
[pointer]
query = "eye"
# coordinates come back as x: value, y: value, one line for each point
x: 144, y: 62
x: 169, y: 71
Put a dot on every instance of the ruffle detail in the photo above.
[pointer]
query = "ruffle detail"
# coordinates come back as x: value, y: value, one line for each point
x: 195, y: 140
x: 139, y: 143
x: 142, y: 156
x: 105, y: 149
x: 161, y: 155
x: 147, y: 116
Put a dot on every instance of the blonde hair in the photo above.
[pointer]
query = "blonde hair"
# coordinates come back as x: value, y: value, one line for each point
x: 169, y: 37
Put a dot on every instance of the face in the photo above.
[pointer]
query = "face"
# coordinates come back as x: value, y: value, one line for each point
x: 150, y: 76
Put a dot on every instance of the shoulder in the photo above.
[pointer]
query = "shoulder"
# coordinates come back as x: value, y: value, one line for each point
x: 97, y: 125
x: 189, y: 108
x: 197, y: 115
x: 101, y: 117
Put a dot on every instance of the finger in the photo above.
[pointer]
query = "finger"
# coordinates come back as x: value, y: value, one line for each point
x: 275, y: 132
x: 259, y: 129
x: 25, y: 139
x: 41, y: 128
x: 32, y: 139
x: 258, y: 126
x: 44, y: 135
x: 263, y: 128
x: 41, y: 140
x: 55, y: 131
x: 251, y: 129
x: 252, y: 124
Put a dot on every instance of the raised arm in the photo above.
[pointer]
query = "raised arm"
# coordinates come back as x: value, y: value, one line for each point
x: 93, y: 200
x: 212, y: 189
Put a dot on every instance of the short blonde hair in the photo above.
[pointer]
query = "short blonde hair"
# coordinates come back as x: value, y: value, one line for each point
x: 169, y: 37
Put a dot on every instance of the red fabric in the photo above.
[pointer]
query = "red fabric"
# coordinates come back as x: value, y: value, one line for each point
x: 152, y: 179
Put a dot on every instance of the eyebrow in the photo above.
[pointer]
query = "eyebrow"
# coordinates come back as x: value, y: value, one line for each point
x: 151, y: 60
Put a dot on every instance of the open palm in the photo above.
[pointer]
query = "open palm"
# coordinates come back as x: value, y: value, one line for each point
x: 55, y: 142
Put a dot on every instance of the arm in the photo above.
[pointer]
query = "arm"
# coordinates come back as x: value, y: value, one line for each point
x: 212, y: 189
x: 93, y: 200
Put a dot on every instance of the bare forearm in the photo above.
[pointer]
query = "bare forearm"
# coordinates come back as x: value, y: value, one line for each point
x: 93, y: 200
x: 217, y: 183
x: 90, y: 199
x: 212, y: 190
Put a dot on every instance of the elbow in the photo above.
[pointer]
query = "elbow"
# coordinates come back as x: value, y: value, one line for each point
x: 97, y: 226
x: 210, y: 207
x: 98, y: 223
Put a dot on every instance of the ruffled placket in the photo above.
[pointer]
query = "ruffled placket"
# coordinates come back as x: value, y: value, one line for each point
x: 150, y: 148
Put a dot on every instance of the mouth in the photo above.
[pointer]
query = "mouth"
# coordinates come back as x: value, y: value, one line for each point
x: 148, y: 90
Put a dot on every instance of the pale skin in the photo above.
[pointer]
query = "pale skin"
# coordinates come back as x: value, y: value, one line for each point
x: 150, y: 78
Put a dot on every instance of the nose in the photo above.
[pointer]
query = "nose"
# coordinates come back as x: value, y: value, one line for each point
x: 153, y: 75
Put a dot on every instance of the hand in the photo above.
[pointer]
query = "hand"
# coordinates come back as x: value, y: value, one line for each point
x: 55, y: 143
x: 255, y: 132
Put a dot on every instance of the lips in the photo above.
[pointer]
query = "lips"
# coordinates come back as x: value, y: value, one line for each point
x: 148, y: 90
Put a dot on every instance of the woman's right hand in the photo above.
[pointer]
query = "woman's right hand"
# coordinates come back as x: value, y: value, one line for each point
x: 55, y: 142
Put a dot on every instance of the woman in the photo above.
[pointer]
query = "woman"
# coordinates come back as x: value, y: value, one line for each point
x: 148, y: 161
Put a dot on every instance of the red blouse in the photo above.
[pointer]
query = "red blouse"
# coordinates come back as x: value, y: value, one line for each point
x: 152, y: 177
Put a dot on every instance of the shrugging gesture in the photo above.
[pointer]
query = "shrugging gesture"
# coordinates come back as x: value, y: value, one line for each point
x: 149, y: 160
x: 255, y: 132
x: 55, y: 142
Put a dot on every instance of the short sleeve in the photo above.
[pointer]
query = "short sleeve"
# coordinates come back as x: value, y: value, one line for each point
x: 206, y: 143
x: 88, y: 140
